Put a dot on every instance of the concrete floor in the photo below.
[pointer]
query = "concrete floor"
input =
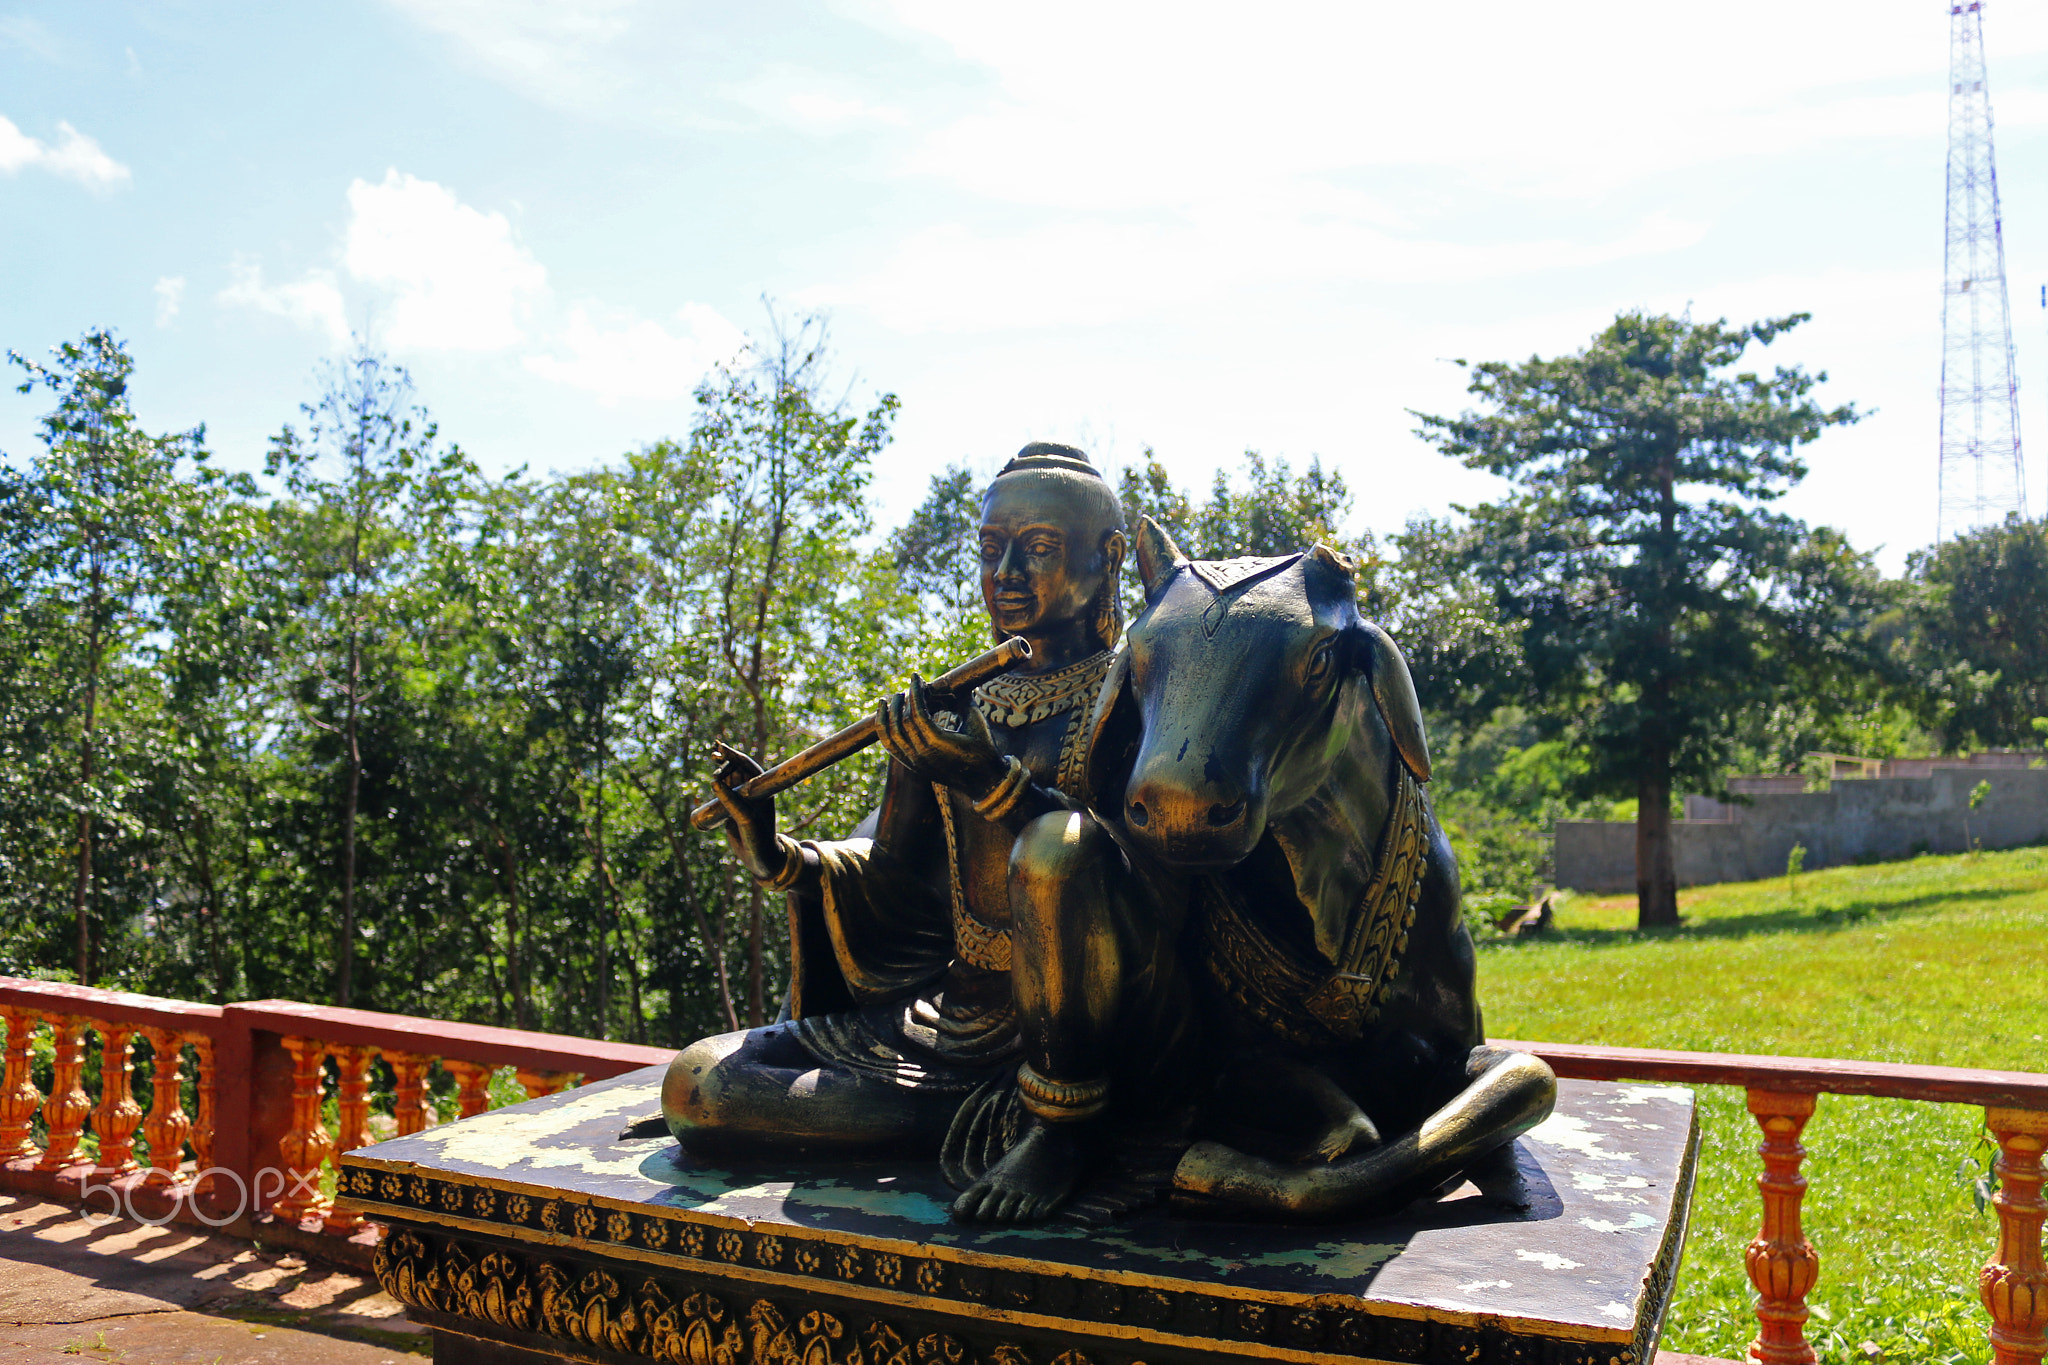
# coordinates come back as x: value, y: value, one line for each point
x: 71, y: 1292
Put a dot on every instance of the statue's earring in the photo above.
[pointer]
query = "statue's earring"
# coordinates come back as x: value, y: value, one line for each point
x: 1109, y: 612
x: 1107, y: 627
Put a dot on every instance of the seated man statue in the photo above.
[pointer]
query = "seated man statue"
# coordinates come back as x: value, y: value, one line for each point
x: 979, y: 977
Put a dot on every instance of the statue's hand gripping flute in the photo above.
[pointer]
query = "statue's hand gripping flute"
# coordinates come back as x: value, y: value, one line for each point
x: 862, y: 733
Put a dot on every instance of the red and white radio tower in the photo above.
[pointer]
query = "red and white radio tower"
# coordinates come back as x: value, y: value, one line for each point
x: 1982, y: 478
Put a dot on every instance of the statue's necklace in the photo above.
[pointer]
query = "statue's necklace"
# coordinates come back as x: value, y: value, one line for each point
x: 1016, y: 700
x: 1020, y: 699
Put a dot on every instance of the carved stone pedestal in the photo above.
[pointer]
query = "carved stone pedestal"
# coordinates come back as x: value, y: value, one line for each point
x: 536, y: 1233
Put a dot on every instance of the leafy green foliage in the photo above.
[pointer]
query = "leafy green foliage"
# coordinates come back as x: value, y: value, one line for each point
x: 937, y: 556
x: 92, y: 529
x: 519, y: 678
x: 1977, y: 628
x: 1266, y: 510
x: 1498, y: 788
x: 356, y: 530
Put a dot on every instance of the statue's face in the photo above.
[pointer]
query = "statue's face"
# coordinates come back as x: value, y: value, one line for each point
x: 1042, y: 550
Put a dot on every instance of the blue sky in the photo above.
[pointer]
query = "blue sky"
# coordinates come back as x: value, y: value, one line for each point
x: 1200, y: 228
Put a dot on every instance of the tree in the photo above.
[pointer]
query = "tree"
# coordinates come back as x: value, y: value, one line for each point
x: 99, y: 516
x: 1147, y: 489
x: 794, y: 464
x: 1978, y: 628
x: 937, y: 557
x: 364, y: 427
x: 1265, y: 510
x: 212, y: 658
x: 1655, y: 600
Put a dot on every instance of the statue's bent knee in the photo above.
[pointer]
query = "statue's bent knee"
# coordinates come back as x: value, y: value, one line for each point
x: 1057, y: 847
x: 692, y: 1088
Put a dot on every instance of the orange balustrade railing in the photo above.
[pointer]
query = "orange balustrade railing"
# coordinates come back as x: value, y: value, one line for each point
x: 258, y: 1142
x: 259, y: 1070
x: 1783, y: 1265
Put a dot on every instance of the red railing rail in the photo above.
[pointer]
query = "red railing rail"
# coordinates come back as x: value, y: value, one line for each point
x: 1782, y: 1263
x: 1803, y: 1075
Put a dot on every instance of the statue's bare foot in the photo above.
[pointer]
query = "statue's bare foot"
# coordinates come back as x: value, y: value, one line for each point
x: 1033, y: 1179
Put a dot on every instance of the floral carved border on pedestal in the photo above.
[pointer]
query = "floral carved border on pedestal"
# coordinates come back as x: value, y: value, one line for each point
x: 607, y: 1311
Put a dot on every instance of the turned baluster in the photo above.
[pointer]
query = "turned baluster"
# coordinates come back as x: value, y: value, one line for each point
x: 67, y: 1106
x: 473, y: 1087
x: 118, y: 1115
x: 167, y: 1126
x: 352, y: 1103
x: 2015, y: 1285
x: 307, y: 1146
x: 18, y: 1094
x: 539, y: 1083
x: 410, y: 1105
x: 1782, y: 1264
x: 202, y: 1126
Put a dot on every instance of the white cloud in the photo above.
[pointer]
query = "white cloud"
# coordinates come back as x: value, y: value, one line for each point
x: 1107, y: 105
x: 1091, y: 272
x: 314, y: 301
x: 170, y: 294
x: 679, y: 69
x: 435, y: 274
x: 458, y: 280
x: 73, y: 156
x: 626, y: 356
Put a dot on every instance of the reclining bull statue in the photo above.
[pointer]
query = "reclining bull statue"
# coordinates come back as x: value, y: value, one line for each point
x: 1257, y: 732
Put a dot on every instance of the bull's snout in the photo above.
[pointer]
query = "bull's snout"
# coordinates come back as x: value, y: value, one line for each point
x: 1192, y: 823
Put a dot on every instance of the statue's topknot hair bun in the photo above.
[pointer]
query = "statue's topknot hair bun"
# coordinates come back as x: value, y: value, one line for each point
x: 1049, y: 455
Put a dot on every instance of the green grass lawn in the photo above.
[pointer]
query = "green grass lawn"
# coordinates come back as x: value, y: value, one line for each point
x: 1936, y: 960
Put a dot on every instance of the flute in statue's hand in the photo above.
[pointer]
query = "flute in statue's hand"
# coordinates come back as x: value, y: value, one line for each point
x: 826, y: 752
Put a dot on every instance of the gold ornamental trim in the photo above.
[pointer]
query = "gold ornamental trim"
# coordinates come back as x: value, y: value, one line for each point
x: 1300, y: 996
x: 446, y: 1278
x: 1019, y: 699
x: 974, y: 942
x: 523, y: 1289
x: 1350, y: 998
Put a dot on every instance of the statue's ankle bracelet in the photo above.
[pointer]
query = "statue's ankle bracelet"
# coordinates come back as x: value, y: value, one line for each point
x: 1058, y: 1101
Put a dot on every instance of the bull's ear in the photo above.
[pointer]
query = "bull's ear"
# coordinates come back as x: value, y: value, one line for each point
x: 1158, y: 557
x: 1393, y: 691
x: 1110, y: 742
x: 1336, y: 559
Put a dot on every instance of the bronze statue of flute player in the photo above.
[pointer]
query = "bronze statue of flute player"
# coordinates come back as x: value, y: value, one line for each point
x: 1077, y: 959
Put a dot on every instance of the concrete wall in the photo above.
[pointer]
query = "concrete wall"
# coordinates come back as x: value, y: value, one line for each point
x: 1863, y: 819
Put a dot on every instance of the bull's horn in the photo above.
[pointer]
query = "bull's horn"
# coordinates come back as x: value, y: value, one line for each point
x: 1158, y: 556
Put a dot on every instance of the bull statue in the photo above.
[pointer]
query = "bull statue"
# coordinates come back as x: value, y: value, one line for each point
x: 1260, y: 744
